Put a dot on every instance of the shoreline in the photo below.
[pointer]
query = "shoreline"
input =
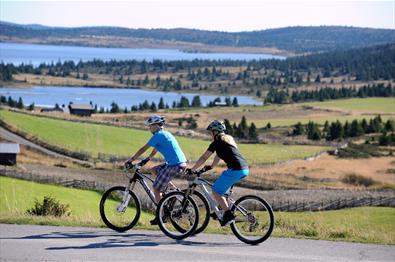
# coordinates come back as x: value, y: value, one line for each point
x: 184, y: 47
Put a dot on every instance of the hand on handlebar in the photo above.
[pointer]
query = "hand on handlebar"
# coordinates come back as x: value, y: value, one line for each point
x: 189, y: 171
x: 128, y: 164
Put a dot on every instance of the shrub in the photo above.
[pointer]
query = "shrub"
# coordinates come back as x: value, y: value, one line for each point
x: 358, y: 180
x: 49, y: 207
x: 359, y: 151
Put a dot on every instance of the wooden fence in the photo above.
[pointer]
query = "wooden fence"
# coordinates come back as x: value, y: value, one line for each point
x: 288, y: 205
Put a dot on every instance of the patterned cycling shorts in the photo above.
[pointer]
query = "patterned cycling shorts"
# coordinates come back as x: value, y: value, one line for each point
x: 165, y: 173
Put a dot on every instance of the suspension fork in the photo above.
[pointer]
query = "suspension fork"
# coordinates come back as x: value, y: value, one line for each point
x: 187, y: 195
x: 126, y: 195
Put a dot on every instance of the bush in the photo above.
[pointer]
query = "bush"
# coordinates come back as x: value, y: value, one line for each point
x: 49, y: 207
x: 359, y: 151
x: 358, y: 180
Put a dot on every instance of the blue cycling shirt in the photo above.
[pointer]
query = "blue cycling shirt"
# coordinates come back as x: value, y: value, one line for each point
x: 168, y: 146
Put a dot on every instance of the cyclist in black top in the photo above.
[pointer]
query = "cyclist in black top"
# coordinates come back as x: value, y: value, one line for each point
x: 226, y: 149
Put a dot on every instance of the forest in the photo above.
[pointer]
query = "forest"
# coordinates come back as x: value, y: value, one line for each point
x: 296, y: 39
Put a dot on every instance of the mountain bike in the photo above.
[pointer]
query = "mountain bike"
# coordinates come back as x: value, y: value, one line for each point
x: 120, y: 207
x: 254, y: 218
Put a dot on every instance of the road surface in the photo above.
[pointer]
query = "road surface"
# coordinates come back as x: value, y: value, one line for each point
x: 48, y: 243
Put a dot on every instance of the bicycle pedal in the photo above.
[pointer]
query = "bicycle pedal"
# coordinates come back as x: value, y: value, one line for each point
x: 214, y: 216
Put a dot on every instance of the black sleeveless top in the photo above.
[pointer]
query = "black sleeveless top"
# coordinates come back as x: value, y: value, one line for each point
x: 228, y: 153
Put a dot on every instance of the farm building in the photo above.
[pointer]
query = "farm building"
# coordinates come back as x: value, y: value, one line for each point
x: 81, y: 109
x: 8, y: 152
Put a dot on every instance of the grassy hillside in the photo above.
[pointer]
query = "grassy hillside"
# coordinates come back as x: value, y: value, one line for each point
x: 368, y: 225
x: 373, y: 105
x: 96, y: 139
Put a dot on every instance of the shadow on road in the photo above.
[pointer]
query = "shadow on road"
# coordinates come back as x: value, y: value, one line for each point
x: 114, y: 240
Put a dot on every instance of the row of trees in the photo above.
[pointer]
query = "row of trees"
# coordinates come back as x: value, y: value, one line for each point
x: 327, y: 93
x: 242, y: 130
x: 15, y: 103
x: 183, y: 103
x: 337, y: 131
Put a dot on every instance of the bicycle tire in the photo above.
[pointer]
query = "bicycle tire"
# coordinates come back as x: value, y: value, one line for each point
x: 203, y: 205
x: 259, y: 209
x: 171, y: 202
x: 113, y: 197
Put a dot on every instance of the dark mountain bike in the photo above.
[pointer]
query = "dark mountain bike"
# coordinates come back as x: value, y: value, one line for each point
x: 120, y: 207
x: 254, y: 220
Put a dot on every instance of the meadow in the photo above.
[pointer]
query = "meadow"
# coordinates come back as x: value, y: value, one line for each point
x: 95, y: 139
x: 366, y: 225
x: 289, y: 114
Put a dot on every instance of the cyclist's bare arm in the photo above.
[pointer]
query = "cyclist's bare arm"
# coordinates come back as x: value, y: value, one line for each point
x: 154, y: 151
x: 139, y: 153
x: 215, y: 161
x: 202, y: 160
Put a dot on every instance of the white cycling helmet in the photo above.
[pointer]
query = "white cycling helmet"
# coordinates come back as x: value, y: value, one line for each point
x: 155, y: 119
x: 217, y: 126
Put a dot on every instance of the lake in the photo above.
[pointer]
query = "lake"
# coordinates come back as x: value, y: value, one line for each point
x: 48, y: 96
x: 36, y: 54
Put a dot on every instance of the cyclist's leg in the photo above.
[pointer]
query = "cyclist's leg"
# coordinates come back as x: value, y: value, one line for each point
x: 227, y: 179
x: 164, y: 177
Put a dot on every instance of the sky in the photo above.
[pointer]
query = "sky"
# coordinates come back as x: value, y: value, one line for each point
x: 218, y: 15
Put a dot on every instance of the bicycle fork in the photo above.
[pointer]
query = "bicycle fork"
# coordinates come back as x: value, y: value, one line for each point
x: 125, y: 198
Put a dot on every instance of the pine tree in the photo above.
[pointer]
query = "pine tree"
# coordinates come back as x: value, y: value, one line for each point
x: 252, y: 132
x: 20, y: 103
x: 356, y: 129
x: 161, y: 104
x: 336, y: 131
x: 196, y: 101
x: 229, y: 128
x: 235, y: 103
x: 153, y: 107
x: 298, y: 129
x: 313, y: 132
x: 114, y: 108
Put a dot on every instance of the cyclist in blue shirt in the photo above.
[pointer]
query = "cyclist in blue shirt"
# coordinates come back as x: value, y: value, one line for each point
x: 226, y: 149
x: 167, y: 145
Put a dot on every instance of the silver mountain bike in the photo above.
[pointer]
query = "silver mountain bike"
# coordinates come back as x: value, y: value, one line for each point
x: 254, y: 220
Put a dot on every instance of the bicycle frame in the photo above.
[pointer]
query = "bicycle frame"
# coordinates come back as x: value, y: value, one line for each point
x: 201, y: 183
x: 141, y: 179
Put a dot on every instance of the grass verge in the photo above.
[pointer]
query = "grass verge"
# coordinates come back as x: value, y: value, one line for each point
x: 365, y: 225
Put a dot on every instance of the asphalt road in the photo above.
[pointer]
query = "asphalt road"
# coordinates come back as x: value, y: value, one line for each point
x: 48, y: 243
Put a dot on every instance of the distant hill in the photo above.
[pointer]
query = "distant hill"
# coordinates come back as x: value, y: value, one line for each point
x: 292, y: 39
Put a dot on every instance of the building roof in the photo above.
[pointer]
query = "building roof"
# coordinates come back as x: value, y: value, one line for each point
x: 9, y: 148
x: 82, y: 106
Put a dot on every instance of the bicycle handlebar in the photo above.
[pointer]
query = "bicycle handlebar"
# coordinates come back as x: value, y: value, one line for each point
x: 129, y: 165
x: 201, y: 171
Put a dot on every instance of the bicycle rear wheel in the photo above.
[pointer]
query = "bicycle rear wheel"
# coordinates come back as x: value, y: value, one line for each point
x: 254, y: 220
x: 118, y: 211
x: 178, y: 219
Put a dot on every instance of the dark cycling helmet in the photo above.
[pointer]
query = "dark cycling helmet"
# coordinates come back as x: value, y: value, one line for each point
x: 155, y: 119
x: 216, y: 126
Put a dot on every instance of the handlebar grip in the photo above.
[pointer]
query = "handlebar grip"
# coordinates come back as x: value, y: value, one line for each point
x: 144, y: 161
x: 128, y: 165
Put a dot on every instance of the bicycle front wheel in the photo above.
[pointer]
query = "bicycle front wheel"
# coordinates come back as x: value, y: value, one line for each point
x: 178, y: 217
x: 120, y: 209
x: 254, y: 220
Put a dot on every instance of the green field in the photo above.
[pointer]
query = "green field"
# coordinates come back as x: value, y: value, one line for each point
x: 367, y: 225
x: 96, y: 139
x: 284, y: 122
x: 373, y: 105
